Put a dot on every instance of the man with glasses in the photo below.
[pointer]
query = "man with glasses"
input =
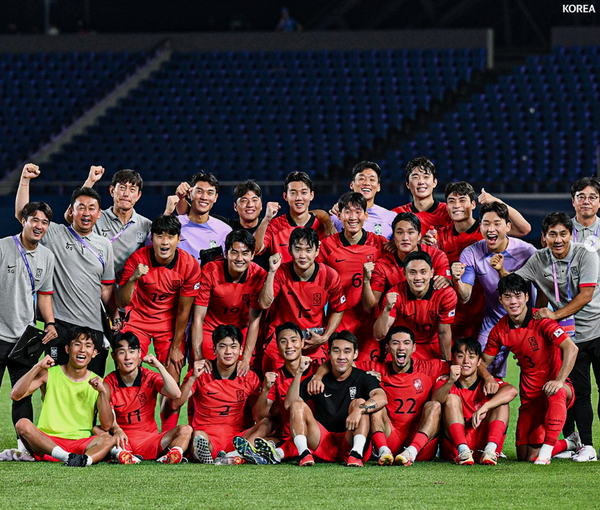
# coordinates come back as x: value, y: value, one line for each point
x: 585, y: 194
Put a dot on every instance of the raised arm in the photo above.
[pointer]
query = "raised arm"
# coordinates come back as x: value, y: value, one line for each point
x: 251, y: 336
x: 463, y: 290
x: 369, y: 298
x: 259, y: 234
x: 293, y: 394
x: 30, y: 171
x: 95, y: 174
x: 170, y: 388
x: 267, y: 293
x: 384, y: 321
x: 32, y: 380
x: 520, y: 227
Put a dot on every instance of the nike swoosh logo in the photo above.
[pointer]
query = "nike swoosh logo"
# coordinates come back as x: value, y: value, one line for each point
x: 340, y: 260
x: 283, y: 244
x: 150, y: 283
x: 290, y: 292
x: 122, y: 405
x: 327, y: 396
x: 450, y: 251
x: 211, y: 393
x: 11, y: 267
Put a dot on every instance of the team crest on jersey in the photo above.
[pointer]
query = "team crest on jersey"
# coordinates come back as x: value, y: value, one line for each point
x: 240, y: 395
x: 418, y: 385
x: 352, y: 392
x: 533, y: 343
x: 370, y: 257
x: 377, y: 229
x: 101, y: 253
x: 317, y: 299
x: 212, y: 244
x: 559, y: 332
x: 38, y: 273
x: 142, y: 398
x: 246, y: 298
x: 575, y: 271
x: 140, y: 237
x: 451, y: 313
x: 177, y: 283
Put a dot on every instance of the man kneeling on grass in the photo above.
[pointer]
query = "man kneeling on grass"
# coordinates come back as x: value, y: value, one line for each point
x: 474, y: 420
x: 72, y: 396
x: 338, y: 429
x: 133, y: 398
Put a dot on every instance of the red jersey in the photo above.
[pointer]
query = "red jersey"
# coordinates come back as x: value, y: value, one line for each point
x: 303, y: 302
x: 469, y: 316
x: 134, y: 405
x: 408, y: 391
x: 348, y: 261
x: 156, y: 295
x: 472, y: 398
x: 535, y: 344
x: 278, y: 392
x: 435, y: 217
x: 228, y: 302
x: 422, y: 316
x: 277, y: 236
x: 389, y: 269
x: 220, y: 403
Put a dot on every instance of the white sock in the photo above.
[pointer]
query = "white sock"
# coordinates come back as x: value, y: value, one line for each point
x: 462, y: 448
x: 384, y: 449
x: 280, y: 453
x: 545, y: 451
x: 301, y: 443
x: 60, y: 454
x: 20, y: 446
x: 491, y: 446
x: 178, y: 448
x: 412, y: 451
x: 358, y: 445
x: 89, y: 461
x: 115, y: 451
x: 571, y: 445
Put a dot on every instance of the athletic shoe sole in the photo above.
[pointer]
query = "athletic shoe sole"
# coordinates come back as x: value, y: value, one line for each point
x: 267, y: 450
x: 202, y: 450
x: 247, y: 452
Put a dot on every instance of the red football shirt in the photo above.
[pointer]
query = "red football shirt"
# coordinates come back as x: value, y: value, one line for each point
x: 472, y: 398
x: 277, y: 236
x: 435, y: 217
x: 220, y: 403
x: 389, y: 269
x: 134, y: 405
x: 227, y: 302
x: 348, y: 261
x: 407, y: 392
x: 156, y: 296
x: 469, y: 316
x: 423, y: 315
x: 535, y: 344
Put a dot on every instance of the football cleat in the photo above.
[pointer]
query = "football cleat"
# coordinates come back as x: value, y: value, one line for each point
x: 76, y: 460
x: 267, y: 450
x: 202, y: 450
x: 542, y: 462
x: 306, y: 459
x: 489, y: 458
x: 465, y: 458
x: 173, y: 456
x: 247, y: 451
x: 126, y: 457
x: 403, y: 459
x: 355, y: 459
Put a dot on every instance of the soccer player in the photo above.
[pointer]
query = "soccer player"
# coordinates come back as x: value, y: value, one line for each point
x: 347, y: 252
x: 121, y: 224
x: 366, y: 180
x: 416, y: 304
x: 72, y: 397
x: 420, y: 175
x: 585, y: 195
x: 157, y: 290
x: 133, y: 392
x: 26, y: 276
x: 337, y: 430
x: 220, y: 396
x: 475, y: 421
x: 567, y: 274
x: 299, y: 291
x: 84, y: 272
x: 273, y: 234
x: 201, y: 232
x: 546, y: 356
x: 271, y: 402
x: 228, y: 294
x: 474, y: 264
x: 379, y: 278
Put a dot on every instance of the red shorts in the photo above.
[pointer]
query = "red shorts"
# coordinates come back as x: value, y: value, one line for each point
x: 272, y: 361
x: 477, y: 440
x: 146, y: 444
x: 531, y: 425
x: 69, y: 445
x: 333, y: 447
x: 162, y: 341
x: 398, y: 441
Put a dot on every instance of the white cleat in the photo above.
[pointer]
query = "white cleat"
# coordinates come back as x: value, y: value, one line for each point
x: 586, y: 453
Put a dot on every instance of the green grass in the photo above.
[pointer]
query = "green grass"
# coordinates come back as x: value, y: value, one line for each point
x: 563, y: 484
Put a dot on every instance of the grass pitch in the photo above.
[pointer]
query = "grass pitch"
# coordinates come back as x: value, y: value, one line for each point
x: 510, y: 484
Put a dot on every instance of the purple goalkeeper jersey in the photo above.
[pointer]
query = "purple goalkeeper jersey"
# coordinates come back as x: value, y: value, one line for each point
x: 196, y: 237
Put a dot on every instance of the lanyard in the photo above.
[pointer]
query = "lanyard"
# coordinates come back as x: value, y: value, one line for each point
x: 575, y: 233
x: 24, y: 257
x: 84, y: 243
x: 118, y: 234
x: 556, y: 294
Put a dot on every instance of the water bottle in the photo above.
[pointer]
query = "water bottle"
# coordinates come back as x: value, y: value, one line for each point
x: 228, y: 461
